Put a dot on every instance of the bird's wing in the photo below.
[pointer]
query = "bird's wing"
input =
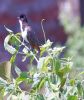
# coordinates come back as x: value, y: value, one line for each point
x: 32, y: 38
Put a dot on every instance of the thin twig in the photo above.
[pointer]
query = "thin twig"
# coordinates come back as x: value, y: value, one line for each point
x: 43, y: 29
x: 26, y: 48
x: 21, y: 53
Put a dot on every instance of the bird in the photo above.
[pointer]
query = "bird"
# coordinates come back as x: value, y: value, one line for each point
x: 27, y: 33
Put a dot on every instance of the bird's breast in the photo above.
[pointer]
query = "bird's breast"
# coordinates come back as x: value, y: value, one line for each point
x: 24, y: 36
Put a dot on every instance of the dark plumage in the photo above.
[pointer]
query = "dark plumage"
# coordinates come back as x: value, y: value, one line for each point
x: 27, y: 33
x: 33, y: 41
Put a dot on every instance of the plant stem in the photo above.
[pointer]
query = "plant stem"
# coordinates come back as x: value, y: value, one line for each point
x: 43, y: 29
x: 26, y: 48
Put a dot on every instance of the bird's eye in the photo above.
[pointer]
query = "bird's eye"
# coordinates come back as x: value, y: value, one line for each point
x: 22, y: 16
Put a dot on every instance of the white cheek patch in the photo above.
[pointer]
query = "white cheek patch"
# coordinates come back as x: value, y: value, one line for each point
x: 21, y: 25
x: 24, y: 32
x: 24, y: 36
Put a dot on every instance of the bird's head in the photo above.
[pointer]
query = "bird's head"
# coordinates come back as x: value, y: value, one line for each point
x: 22, y: 18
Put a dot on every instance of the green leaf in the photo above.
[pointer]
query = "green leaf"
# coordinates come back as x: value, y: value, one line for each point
x: 23, y: 76
x: 63, y: 71
x: 39, y: 97
x: 2, y: 92
x: 72, y: 97
x: 53, y: 78
x: 2, y: 82
x: 39, y: 85
x: 80, y: 88
x: 45, y: 47
x: 7, y: 46
x: 57, y: 50
x: 31, y: 59
x: 9, y: 88
x: 15, y: 42
x: 63, y: 80
x: 17, y: 70
x: 12, y: 60
x: 81, y: 73
x: 56, y: 65
x: 54, y: 87
x: 19, y: 80
x: 72, y: 82
x: 47, y: 44
x: 45, y: 63
x: 11, y: 43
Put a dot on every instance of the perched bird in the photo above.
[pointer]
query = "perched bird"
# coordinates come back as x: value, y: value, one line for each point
x: 27, y: 33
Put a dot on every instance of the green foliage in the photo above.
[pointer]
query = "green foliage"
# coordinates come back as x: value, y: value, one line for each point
x: 47, y: 81
x: 75, y: 41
